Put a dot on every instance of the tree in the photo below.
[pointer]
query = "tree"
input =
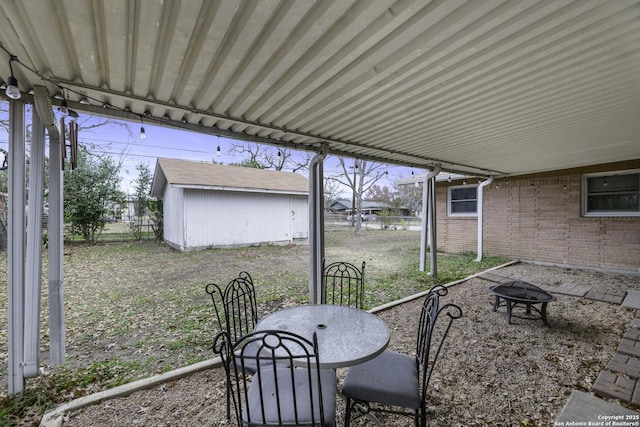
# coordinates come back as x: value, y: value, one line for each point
x: 362, y: 176
x: 274, y: 158
x: 380, y: 194
x: 409, y: 197
x: 249, y: 163
x: 142, y: 200
x: 332, y: 191
x: 90, y: 190
x: 86, y: 123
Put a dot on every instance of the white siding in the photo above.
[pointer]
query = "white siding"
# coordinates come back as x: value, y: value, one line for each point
x: 173, y: 212
x: 226, y: 218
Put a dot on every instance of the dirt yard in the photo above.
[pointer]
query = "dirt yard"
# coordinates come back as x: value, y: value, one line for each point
x: 490, y: 373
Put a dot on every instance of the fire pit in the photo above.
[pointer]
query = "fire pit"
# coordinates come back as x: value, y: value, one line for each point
x: 524, y: 294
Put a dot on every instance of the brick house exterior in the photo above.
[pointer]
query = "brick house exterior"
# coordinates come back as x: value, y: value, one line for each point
x: 537, y: 217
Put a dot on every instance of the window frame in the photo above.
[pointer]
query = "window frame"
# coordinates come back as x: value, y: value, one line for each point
x: 606, y: 213
x: 450, y: 202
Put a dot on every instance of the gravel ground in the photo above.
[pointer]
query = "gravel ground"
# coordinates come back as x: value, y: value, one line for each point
x: 490, y: 373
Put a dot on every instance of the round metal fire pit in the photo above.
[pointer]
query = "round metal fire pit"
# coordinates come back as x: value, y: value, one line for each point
x: 518, y: 293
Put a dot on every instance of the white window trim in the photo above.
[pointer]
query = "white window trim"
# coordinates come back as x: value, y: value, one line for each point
x: 584, y: 197
x: 461, y: 215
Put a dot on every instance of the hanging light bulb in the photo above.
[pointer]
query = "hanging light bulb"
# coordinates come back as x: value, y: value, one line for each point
x: 218, y: 152
x: 449, y: 178
x: 143, y: 134
x: 12, y: 90
x: 279, y: 153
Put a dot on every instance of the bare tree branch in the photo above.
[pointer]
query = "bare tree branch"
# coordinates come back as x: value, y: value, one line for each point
x: 273, y: 157
x: 359, y: 178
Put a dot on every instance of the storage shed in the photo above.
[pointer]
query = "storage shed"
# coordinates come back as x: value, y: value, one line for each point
x: 208, y: 205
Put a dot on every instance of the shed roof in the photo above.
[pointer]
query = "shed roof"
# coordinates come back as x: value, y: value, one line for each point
x: 189, y: 174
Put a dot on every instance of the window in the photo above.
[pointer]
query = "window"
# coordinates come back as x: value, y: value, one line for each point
x: 463, y: 200
x: 611, y: 194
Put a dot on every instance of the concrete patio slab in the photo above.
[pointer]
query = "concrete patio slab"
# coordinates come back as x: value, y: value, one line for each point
x: 585, y: 408
x: 632, y: 300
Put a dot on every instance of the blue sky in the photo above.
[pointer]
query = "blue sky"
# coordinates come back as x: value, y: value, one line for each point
x: 122, y: 142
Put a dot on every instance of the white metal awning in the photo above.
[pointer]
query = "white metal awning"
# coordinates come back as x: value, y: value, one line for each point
x: 486, y: 87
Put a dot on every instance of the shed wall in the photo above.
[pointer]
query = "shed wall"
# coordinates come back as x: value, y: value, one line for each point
x: 228, y: 218
x: 173, y: 211
x: 537, y: 218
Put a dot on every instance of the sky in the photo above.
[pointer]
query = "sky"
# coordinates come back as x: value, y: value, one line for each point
x: 121, y: 140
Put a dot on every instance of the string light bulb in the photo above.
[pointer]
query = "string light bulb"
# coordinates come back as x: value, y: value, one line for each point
x: 218, y: 152
x: 12, y: 90
x: 143, y: 134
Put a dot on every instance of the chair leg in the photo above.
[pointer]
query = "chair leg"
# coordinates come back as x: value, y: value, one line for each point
x: 228, y: 402
x: 347, y: 414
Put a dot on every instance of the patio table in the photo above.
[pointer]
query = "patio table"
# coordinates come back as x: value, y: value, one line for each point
x: 346, y: 335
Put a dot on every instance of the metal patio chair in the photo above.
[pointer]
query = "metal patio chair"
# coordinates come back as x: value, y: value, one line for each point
x: 236, y: 312
x: 235, y: 307
x: 399, y: 380
x: 343, y: 284
x: 288, y: 387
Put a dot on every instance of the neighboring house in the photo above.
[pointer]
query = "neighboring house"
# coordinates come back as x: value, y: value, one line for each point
x: 584, y: 217
x: 368, y: 207
x: 209, y: 206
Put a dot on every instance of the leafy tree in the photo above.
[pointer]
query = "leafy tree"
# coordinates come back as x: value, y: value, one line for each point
x: 86, y: 123
x: 89, y: 191
x: 409, y: 197
x: 142, y: 199
x: 250, y: 163
x: 156, y: 217
x: 379, y: 194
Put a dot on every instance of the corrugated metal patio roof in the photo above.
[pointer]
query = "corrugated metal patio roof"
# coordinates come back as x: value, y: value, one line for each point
x: 486, y: 87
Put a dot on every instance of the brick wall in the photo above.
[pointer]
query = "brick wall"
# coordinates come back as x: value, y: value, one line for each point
x: 537, y: 217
